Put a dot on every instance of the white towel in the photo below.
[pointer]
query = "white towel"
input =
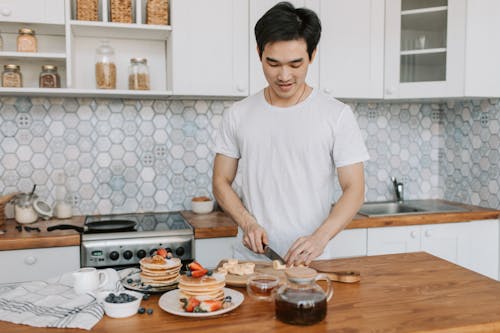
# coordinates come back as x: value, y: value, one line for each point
x: 51, y: 303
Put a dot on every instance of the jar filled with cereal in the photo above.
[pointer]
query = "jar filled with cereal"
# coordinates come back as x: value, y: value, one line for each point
x: 11, y: 76
x: 138, y: 74
x: 26, y: 40
x: 105, y: 68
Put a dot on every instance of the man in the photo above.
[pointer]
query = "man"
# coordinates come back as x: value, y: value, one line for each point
x: 286, y: 141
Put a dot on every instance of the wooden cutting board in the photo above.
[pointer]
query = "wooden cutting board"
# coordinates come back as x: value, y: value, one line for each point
x: 266, y: 267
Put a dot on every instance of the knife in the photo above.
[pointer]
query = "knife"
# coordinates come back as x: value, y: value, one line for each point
x: 273, y: 255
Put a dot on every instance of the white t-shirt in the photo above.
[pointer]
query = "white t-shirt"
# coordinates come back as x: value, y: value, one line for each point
x: 287, y: 158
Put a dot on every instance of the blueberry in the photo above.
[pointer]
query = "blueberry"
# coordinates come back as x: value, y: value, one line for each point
x: 146, y: 297
x: 149, y: 311
x: 228, y: 299
x: 141, y: 310
x: 130, y: 280
x: 210, y: 272
x: 188, y: 273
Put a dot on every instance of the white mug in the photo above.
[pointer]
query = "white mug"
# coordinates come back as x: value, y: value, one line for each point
x: 88, y: 279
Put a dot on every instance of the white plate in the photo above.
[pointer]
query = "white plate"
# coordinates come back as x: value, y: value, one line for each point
x: 169, y: 302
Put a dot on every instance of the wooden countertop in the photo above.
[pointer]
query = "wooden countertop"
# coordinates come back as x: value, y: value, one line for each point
x: 218, y: 224
x: 414, y: 292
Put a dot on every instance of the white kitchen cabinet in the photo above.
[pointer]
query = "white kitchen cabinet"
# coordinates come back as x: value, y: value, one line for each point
x: 348, y: 243
x: 257, y: 9
x: 424, y: 48
x: 38, y: 11
x: 210, y: 47
x: 473, y: 245
x: 38, y: 264
x: 351, y: 48
x: 482, y: 65
x: 209, y: 251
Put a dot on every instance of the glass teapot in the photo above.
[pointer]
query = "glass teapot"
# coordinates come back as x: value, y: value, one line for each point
x: 301, y: 301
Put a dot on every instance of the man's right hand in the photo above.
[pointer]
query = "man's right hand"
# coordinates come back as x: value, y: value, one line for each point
x: 255, y: 237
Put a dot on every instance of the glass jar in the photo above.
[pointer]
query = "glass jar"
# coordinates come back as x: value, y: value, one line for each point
x: 300, y: 301
x: 138, y: 74
x: 11, y: 76
x: 49, y: 78
x: 26, y: 40
x: 24, y: 212
x: 1, y: 42
x: 105, y: 68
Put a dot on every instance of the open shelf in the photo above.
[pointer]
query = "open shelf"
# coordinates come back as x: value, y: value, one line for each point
x: 69, y: 92
x: 424, y: 10
x: 424, y: 51
x: 120, y: 30
x: 8, y: 55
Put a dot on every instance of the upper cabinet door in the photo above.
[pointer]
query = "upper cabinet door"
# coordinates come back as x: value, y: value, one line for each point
x: 482, y: 56
x: 257, y: 9
x: 210, y: 47
x: 352, y: 48
x: 424, y: 50
x: 32, y: 11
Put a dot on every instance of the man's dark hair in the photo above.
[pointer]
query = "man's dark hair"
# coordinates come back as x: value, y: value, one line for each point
x: 284, y: 22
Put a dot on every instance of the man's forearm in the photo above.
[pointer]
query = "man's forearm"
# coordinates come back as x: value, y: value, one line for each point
x: 230, y: 202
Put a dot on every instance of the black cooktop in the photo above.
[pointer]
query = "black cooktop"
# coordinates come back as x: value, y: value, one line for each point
x: 163, y: 221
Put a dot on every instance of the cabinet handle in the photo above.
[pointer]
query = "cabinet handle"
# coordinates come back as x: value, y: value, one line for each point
x: 390, y: 91
x: 240, y: 87
x: 6, y: 11
x: 30, y: 260
x: 327, y: 91
x: 413, y: 234
x: 427, y: 233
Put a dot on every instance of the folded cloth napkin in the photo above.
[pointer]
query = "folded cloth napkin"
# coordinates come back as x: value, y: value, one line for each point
x: 51, y: 303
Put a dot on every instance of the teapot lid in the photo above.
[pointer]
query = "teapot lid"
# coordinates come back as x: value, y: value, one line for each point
x: 300, y: 273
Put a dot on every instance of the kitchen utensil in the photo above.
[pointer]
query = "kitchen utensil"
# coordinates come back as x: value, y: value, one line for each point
x: 273, y: 255
x: 88, y: 279
x: 104, y: 226
x: 300, y: 301
x: 265, y: 267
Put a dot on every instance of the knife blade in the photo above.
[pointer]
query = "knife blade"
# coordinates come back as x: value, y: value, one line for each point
x: 273, y: 255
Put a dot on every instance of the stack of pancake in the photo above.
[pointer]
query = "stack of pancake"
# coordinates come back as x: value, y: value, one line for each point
x: 157, y: 271
x: 202, y: 288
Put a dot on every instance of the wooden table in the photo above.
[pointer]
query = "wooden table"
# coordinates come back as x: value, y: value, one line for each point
x: 413, y: 292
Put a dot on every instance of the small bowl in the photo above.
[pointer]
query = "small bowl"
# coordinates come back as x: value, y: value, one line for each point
x: 263, y: 287
x: 202, y: 205
x: 121, y: 310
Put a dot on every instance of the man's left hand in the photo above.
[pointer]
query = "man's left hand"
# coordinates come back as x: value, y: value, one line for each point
x: 304, y: 250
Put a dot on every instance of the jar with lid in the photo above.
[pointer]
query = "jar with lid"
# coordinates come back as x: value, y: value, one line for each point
x: 11, y: 76
x: 105, y: 68
x: 26, y: 40
x: 138, y: 74
x: 301, y: 301
x: 49, y: 78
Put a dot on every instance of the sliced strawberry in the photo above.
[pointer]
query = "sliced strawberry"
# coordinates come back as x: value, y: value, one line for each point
x: 210, y: 305
x: 199, y: 273
x: 161, y: 252
x: 195, y: 266
x: 191, y: 304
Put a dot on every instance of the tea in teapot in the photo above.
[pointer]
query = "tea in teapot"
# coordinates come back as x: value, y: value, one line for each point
x: 300, y: 301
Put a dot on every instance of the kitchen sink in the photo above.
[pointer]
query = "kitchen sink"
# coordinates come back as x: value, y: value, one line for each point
x: 408, y: 207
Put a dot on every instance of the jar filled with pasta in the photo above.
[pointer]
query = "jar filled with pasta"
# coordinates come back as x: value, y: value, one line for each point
x: 105, y: 67
x: 11, y: 76
x: 26, y: 41
x: 138, y: 74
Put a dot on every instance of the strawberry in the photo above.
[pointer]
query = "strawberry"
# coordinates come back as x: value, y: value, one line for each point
x: 195, y: 266
x: 210, y: 305
x: 162, y: 252
x: 191, y: 304
x: 200, y: 273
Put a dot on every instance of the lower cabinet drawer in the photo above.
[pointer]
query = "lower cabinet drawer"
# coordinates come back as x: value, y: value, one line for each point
x: 38, y: 264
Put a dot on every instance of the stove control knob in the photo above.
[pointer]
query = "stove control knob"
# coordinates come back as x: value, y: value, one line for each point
x: 152, y: 252
x: 128, y: 254
x: 141, y: 254
x: 179, y: 251
x: 114, y: 255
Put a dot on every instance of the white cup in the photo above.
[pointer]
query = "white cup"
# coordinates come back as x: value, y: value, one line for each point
x: 88, y: 279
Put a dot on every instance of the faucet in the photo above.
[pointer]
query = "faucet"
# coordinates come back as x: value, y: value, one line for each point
x: 398, y: 189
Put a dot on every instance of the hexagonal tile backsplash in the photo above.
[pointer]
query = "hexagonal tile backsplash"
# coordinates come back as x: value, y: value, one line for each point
x: 114, y: 155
